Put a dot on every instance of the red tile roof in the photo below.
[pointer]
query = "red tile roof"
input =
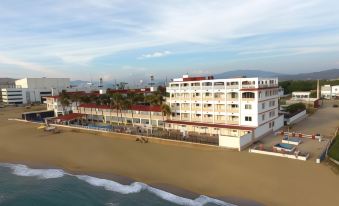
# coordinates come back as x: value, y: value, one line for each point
x: 146, y: 108
x: 69, y: 117
x: 211, y: 125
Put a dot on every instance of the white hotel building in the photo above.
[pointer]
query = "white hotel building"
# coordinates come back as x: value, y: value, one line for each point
x: 238, y: 111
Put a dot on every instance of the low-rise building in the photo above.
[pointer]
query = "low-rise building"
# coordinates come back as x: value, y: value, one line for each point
x: 330, y: 92
x: 32, y: 90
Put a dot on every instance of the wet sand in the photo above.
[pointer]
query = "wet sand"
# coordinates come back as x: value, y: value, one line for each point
x: 201, y: 170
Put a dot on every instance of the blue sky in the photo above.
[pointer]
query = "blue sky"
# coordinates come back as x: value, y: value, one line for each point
x: 129, y: 40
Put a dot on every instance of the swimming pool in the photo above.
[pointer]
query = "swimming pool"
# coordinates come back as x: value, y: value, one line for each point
x: 284, y: 147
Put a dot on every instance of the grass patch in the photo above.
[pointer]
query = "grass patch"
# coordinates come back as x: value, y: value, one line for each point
x: 334, y: 150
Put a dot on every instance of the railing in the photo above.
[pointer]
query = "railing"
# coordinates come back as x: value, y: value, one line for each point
x: 267, y: 85
x: 248, y: 86
x: 232, y: 99
x: 207, y: 87
x: 219, y: 87
x: 232, y: 110
x: 155, y: 132
x: 232, y: 87
x: 232, y: 122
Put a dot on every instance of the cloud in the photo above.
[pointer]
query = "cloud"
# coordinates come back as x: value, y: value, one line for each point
x: 78, y: 35
x: 155, y: 55
x: 26, y: 65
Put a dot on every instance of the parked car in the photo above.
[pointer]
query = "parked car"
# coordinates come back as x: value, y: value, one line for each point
x: 335, y: 105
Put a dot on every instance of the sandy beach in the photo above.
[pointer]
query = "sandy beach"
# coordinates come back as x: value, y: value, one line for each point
x: 202, y: 170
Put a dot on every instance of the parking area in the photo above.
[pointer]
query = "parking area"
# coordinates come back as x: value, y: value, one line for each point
x: 324, y: 121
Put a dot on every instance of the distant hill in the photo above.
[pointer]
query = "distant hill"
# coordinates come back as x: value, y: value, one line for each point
x: 325, y: 74
x: 247, y: 73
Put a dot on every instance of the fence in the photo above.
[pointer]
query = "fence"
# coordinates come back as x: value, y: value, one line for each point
x: 155, y: 132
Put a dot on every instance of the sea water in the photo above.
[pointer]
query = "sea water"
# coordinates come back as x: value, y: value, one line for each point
x: 21, y: 185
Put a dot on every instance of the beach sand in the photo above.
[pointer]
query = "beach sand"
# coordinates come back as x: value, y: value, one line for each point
x: 202, y: 170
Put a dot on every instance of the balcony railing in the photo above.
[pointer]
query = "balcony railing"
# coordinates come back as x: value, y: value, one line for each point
x: 232, y: 122
x: 219, y: 121
x: 248, y: 86
x: 248, y: 99
x: 232, y: 86
x: 232, y: 99
x: 219, y: 87
x: 267, y: 85
x: 232, y: 110
x: 219, y: 109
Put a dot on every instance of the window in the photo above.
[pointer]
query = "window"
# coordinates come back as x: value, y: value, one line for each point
x: 263, y: 117
x: 234, y: 106
x: 248, y: 119
x: 248, y: 106
x: 248, y: 95
x: 233, y: 95
x: 263, y: 105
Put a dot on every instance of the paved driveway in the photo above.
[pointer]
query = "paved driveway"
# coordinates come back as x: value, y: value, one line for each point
x: 324, y: 121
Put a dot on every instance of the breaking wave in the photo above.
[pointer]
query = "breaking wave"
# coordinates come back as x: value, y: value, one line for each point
x: 135, y: 187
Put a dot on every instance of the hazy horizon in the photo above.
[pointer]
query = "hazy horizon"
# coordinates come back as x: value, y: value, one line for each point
x: 132, y: 39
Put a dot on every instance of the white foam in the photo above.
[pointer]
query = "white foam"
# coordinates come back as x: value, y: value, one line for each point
x: 113, y: 186
x: 136, y: 187
x: 23, y: 170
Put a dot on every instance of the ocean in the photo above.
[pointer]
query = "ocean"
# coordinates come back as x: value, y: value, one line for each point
x: 24, y: 186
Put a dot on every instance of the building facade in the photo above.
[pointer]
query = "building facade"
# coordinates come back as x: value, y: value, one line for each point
x: 33, y: 90
x: 237, y: 111
x: 330, y: 92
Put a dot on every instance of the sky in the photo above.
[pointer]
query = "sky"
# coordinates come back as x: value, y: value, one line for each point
x: 130, y: 40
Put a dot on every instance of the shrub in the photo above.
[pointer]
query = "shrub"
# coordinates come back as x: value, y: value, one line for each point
x: 334, y: 150
x: 297, y: 107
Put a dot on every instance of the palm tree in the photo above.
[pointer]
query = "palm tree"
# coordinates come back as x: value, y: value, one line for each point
x: 64, y: 100
x: 165, y: 111
x: 117, y: 103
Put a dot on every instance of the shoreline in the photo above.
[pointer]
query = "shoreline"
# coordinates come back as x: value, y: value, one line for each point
x: 214, y: 172
x: 124, y: 180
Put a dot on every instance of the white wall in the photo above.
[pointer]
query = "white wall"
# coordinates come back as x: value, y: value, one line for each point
x: 229, y: 141
x: 43, y: 83
x: 296, y: 117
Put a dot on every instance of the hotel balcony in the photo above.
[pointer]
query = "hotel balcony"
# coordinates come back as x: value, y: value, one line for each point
x: 220, y: 121
x: 196, y: 98
x: 232, y: 99
x: 248, y: 86
x: 176, y: 118
x: 207, y: 87
x: 186, y: 108
x: 248, y: 99
x: 196, y: 119
x: 221, y: 87
x: 209, y: 109
x: 185, y: 118
x: 219, y: 109
x: 267, y: 85
x: 232, y: 110
x: 232, y: 122
x: 195, y: 87
x: 208, y: 119
x: 232, y: 87
x: 196, y: 109
x: 208, y: 98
